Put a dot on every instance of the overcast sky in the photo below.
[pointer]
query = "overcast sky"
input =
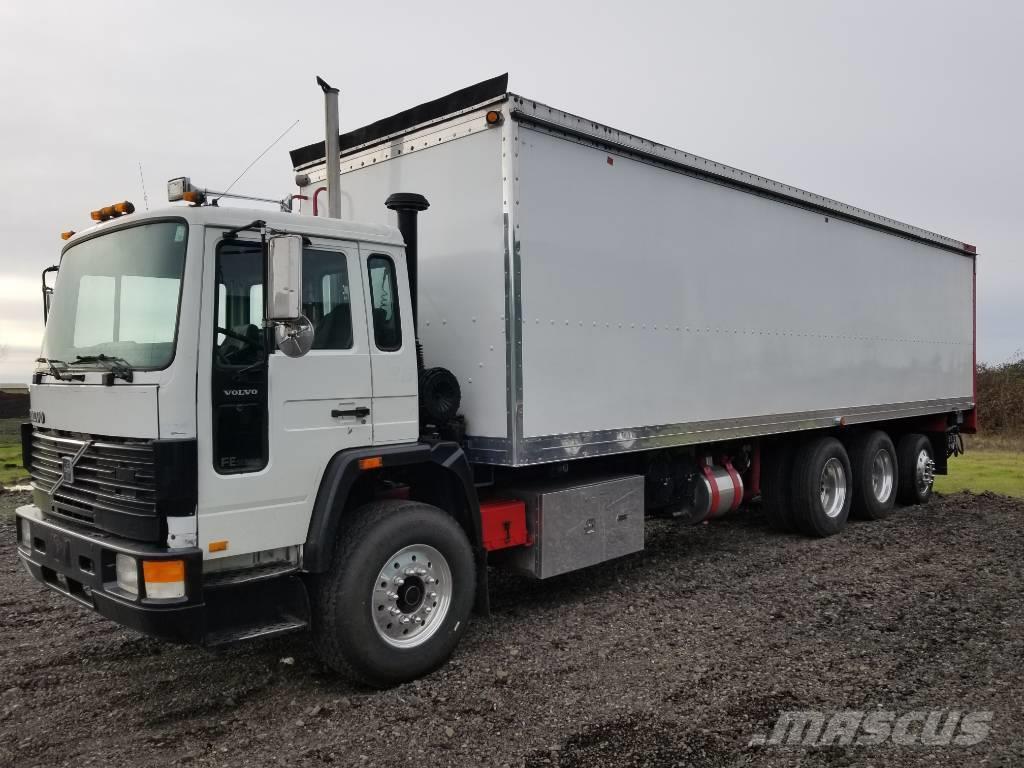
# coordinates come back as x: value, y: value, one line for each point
x: 909, y: 109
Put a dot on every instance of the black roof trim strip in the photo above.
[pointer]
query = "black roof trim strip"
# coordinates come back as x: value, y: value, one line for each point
x: 424, y: 113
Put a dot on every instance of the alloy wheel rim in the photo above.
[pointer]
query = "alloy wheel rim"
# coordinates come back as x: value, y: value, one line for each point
x: 882, y: 475
x: 411, y: 596
x: 832, y: 487
x: 924, y: 471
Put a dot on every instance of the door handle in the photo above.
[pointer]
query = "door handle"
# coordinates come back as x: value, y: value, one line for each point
x: 360, y: 413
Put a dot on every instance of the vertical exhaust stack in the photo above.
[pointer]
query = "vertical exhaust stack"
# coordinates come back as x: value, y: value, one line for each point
x: 332, y: 148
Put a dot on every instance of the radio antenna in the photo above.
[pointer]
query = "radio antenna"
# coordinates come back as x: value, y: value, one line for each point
x: 261, y: 154
x: 142, y: 179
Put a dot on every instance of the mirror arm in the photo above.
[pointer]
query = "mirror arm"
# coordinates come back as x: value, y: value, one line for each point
x: 259, y: 224
x: 47, y: 292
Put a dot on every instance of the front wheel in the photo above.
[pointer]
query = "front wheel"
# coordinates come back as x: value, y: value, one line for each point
x: 397, y: 597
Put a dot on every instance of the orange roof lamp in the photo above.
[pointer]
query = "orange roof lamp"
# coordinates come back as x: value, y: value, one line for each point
x: 112, y: 211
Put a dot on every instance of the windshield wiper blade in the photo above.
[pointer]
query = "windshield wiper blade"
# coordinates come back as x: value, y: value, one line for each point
x: 53, y: 370
x: 118, y: 367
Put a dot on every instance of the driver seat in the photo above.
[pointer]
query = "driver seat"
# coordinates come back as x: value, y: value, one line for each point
x: 334, y: 331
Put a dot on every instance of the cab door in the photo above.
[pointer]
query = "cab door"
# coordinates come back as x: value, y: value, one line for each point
x: 275, y: 426
x: 392, y: 342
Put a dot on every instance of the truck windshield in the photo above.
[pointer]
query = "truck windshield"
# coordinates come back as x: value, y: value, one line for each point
x: 117, y: 295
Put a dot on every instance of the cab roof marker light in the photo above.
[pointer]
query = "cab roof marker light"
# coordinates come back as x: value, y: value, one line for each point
x: 112, y: 211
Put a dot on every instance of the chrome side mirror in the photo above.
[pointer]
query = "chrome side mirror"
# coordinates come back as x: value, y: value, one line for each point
x: 292, y: 330
x: 284, y: 278
x: 294, y: 337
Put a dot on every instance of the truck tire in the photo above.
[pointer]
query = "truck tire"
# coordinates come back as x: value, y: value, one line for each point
x: 397, y: 597
x: 875, y: 475
x: 916, y: 460
x: 776, y: 491
x: 821, y: 487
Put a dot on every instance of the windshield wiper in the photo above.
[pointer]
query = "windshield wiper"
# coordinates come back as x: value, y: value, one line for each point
x: 53, y: 370
x: 118, y: 367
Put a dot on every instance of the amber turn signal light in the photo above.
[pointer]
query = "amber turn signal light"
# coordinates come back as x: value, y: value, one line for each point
x: 112, y: 211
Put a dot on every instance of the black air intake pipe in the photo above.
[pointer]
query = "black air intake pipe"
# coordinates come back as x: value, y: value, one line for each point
x: 408, y: 205
x: 440, y: 394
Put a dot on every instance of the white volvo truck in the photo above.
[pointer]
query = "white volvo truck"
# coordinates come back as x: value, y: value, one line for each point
x: 248, y: 422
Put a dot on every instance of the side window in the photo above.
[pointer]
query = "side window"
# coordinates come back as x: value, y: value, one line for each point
x: 387, y: 325
x: 326, y: 299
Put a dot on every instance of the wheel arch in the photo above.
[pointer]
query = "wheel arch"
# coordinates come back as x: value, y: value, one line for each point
x: 438, y: 474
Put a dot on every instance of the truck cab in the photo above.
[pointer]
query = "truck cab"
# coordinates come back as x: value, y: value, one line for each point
x: 176, y: 450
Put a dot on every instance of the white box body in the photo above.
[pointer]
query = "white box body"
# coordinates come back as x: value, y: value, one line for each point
x: 597, y: 293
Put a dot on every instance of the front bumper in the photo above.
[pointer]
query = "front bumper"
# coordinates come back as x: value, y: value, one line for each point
x: 81, y: 566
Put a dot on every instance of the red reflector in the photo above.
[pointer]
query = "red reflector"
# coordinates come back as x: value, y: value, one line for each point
x: 970, y: 248
x: 503, y: 523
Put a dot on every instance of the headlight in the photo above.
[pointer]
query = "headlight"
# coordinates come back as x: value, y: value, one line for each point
x: 127, y: 574
x: 26, y: 533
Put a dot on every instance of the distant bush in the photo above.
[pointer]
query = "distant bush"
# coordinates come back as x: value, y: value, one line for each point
x: 14, y: 404
x: 1001, y: 398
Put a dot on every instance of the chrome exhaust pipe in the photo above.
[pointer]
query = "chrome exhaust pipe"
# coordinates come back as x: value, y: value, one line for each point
x: 333, y: 150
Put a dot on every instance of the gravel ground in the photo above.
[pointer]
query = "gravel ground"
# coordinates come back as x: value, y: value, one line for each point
x: 674, y: 657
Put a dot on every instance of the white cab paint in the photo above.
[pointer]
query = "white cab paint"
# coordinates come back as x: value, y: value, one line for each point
x: 121, y: 410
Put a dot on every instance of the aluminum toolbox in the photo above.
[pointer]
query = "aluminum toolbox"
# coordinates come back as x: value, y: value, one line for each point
x: 575, y: 525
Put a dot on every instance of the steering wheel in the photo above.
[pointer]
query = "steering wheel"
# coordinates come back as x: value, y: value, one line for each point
x: 225, y: 356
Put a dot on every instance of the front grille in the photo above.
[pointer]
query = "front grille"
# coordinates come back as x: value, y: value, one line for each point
x: 113, y: 485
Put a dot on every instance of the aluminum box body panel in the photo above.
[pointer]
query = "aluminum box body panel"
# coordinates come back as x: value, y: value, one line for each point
x: 596, y: 293
x: 579, y: 524
x: 462, y: 271
x: 650, y: 297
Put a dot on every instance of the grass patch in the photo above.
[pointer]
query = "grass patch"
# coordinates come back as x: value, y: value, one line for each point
x: 10, y: 453
x: 11, y: 471
x: 984, y: 470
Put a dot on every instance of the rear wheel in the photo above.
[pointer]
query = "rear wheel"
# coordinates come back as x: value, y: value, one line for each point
x: 398, y: 594
x: 821, y: 487
x: 875, y: 475
x: 916, y: 460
